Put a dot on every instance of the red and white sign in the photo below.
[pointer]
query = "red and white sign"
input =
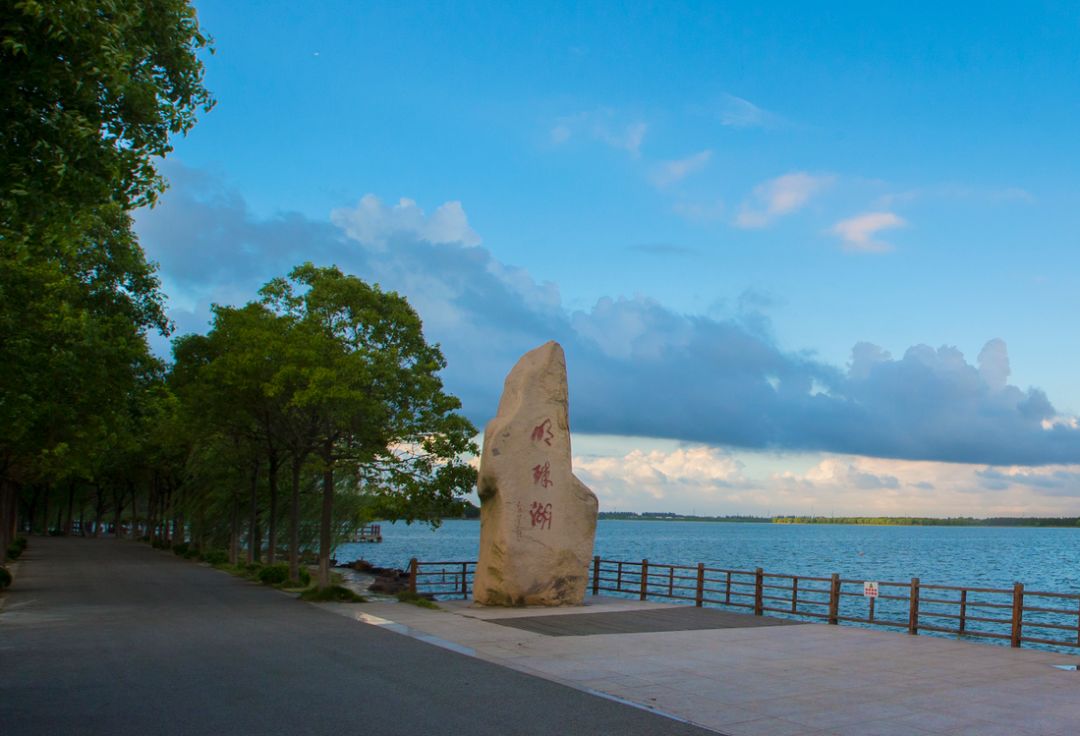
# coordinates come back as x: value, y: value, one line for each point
x: 869, y: 589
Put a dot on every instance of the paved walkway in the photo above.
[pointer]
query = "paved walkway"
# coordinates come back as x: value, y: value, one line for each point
x: 108, y: 637
x: 767, y: 681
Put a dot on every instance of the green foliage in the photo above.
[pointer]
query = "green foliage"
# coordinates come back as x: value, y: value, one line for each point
x: 5, y: 577
x: 332, y: 594
x: 216, y: 556
x: 16, y: 548
x: 274, y: 574
x: 180, y: 549
x: 91, y: 93
x: 407, y: 596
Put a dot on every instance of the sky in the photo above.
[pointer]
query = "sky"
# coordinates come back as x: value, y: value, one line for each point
x: 802, y: 259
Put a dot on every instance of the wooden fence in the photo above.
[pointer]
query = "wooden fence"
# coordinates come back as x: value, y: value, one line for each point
x: 1017, y: 615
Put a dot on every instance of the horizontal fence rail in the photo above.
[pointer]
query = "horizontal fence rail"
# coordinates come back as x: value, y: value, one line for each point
x: 441, y: 579
x: 1014, y: 615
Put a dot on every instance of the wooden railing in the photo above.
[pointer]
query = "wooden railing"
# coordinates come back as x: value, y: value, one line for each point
x: 1015, y: 614
x: 442, y: 579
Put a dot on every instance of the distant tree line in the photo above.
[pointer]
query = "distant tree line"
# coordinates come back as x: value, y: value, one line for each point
x: 1066, y: 521
x: 298, y: 416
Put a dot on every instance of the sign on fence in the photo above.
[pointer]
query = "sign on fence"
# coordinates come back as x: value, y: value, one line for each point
x: 869, y: 589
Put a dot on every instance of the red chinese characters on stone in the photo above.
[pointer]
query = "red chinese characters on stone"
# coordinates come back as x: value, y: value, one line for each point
x: 542, y: 432
x: 541, y: 515
x: 542, y: 475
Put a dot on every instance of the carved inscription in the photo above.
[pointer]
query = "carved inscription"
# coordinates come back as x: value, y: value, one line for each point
x: 541, y: 515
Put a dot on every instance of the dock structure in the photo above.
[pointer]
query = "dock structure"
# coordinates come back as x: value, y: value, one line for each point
x: 740, y: 674
x: 368, y: 533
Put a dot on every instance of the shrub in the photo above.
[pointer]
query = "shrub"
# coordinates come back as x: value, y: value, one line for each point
x: 20, y: 542
x: 192, y: 554
x: 180, y: 549
x: 15, y: 549
x: 216, y: 556
x: 5, y: 578
x: 335, y: 593
x: 274, y: 574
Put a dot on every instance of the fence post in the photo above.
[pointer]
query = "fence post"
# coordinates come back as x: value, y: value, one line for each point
x: 1017, y: 613
x: 913, y: 608
x: 464, y: 580
x: 795, y: 594
x: 412, y: 575
x: 596, y: 575
x: 700, y: 596
x: 644, y: 579
x: 759, y: 581
x: 963, y: 611
x: 834, y: 599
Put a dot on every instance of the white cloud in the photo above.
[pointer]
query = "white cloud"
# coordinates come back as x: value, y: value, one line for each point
x: 373, y: 223
x: 735, y: 112
x: 858, y: 232
x: 781, y: 196
x: 601, y: 125
x: 670, y: 172
x: 648, y: 479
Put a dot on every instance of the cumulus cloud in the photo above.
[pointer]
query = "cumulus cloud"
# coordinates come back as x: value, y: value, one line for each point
x: 373, y: 223
x: 640, y: 478
x: 781, y: 196
x: 858, y: 232
x: 671, y: 172
x: 637, y: 368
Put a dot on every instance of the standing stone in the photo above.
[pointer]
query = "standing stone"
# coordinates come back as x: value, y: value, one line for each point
x: 537, y: 521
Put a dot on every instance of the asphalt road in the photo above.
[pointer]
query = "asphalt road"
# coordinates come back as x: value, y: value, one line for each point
x: 113, y: 637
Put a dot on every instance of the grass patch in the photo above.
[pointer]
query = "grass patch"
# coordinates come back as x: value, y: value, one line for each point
x: 407, y: 596
x: 335, y: 594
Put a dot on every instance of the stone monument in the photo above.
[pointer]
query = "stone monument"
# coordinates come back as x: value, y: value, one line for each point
x: 537, y: 521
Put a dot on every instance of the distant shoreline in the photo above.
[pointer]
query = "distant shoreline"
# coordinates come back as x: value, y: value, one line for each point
x: 1000, y: 521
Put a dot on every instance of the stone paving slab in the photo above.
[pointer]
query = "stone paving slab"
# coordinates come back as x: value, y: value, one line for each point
x: 681, y: 618
x: 798, y: 679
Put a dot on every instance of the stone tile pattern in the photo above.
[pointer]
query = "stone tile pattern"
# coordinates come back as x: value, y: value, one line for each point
x: 805, y: 679
x: 537, y: 520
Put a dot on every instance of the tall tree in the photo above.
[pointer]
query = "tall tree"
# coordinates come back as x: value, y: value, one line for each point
x: 90, y: 93
x: 367, y: 397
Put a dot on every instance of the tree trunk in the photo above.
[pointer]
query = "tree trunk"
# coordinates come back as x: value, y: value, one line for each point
x: 7, y: 492
x: 118, y: 513
x: 327, y: 515
x: 294, y: 521
x: 272, y: 478
x: 253, y: 525
x: 234, y: 533
x: 70, y: 509
x: 45, y: 511
x: 99, y: 509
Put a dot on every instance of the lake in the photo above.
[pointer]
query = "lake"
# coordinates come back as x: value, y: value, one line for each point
x: 996, y: 557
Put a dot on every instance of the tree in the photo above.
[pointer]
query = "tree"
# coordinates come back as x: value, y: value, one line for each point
x: 365, y: 396
x: 90, y: 93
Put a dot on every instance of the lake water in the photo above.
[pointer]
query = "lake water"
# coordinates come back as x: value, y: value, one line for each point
x: 1042, y: 559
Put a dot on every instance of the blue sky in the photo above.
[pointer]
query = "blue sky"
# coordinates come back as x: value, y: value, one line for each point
x: 775, y: 241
